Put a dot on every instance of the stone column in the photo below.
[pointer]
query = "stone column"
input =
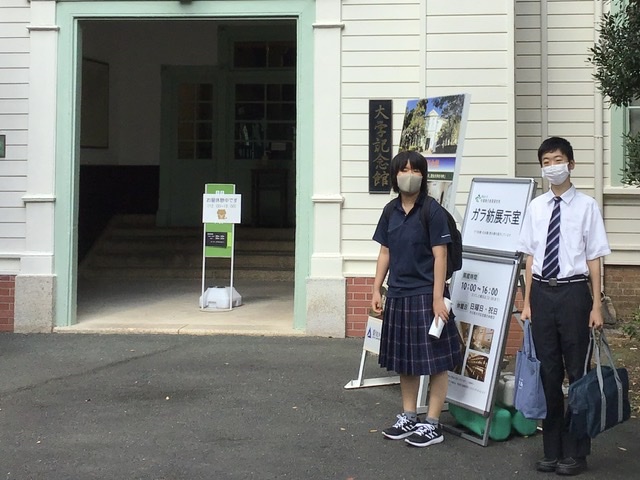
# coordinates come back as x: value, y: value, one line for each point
x: 326, y: 284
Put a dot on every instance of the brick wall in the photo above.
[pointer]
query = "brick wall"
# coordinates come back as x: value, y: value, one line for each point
x: 622, y: 284
x: 7, y: 300
x: 359, y: 293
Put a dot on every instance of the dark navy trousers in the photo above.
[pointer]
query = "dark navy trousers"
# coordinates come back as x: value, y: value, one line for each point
x: 560, y: 327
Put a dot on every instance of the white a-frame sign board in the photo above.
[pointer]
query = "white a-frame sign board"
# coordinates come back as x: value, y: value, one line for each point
x: 483, y: 291
x: 482, y: 294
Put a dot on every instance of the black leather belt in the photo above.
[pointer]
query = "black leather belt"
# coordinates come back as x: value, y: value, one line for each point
x: 554, y: 282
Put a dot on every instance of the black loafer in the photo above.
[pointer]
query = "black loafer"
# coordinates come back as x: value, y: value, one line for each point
x: 547, y: 464
x: 571, y: 466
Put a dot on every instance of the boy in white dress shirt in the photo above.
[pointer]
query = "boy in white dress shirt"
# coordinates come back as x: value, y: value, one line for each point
x: 563, y: 244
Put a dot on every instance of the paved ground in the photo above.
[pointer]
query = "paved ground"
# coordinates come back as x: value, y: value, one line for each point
x: 167, y: 407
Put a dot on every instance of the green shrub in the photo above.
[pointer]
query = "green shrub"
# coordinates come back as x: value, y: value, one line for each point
x: 631, y: 168
x: 616, y: 58
x: 631, y: 328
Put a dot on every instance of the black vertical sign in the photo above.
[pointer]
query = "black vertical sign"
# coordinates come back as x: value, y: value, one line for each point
x: 380, y: 142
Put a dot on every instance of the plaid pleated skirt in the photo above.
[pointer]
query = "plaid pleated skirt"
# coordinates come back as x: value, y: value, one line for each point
x: 405, y: 345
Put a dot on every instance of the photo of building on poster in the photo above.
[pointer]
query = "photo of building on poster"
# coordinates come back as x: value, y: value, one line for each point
x: 475, y: 344
x: 434, y: 127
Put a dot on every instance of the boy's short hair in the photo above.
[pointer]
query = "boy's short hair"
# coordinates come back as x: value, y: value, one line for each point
x: 416, y: 160
x: 555, y: 143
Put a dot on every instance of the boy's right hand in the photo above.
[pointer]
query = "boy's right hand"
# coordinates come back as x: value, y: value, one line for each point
x: 526, y: 313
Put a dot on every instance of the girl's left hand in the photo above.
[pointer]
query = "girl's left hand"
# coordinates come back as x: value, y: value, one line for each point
x: 440, y: 309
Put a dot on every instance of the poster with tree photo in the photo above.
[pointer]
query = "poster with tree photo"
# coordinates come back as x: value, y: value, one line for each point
x: 435, y: 128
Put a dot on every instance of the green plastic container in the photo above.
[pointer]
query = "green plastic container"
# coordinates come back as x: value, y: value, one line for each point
x: 523, y: 426
x: 499, y: 428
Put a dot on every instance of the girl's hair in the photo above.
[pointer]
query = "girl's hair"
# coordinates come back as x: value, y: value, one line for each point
x: 555, y: 143
x: 417, y: 162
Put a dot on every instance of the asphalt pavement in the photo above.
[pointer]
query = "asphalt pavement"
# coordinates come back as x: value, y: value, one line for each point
x: 169, y: 407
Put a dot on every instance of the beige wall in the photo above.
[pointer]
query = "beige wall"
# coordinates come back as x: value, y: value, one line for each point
x: 401, y: 50
x: 15, y: 16
x: 554, y: 84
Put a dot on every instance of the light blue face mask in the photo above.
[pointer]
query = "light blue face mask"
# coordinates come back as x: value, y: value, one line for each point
x: 556, y: 174
x: 409, y: 183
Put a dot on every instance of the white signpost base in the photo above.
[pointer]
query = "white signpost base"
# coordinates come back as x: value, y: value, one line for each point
x: 371, y: 345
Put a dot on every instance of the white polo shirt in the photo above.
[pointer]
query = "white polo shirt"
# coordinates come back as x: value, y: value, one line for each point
x: 582, y: 233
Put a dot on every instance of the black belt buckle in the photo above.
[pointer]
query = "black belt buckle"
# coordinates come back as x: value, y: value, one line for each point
x: 553, y: 282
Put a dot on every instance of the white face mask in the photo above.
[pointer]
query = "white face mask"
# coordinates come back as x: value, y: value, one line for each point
x: 409, y: 183
x: 556, y: 174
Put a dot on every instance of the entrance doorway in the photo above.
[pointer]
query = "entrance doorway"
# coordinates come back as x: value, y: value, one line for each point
x: 190, y: 103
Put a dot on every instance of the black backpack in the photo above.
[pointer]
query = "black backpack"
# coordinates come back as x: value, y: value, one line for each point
x: 454, y: 249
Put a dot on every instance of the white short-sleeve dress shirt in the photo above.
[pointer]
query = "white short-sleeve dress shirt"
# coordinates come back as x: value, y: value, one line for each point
x: 582, y: 233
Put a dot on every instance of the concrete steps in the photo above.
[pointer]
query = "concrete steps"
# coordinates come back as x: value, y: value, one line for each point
x: 133, y: 247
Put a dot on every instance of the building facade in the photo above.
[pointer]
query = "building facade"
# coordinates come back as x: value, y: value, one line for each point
x: 151, y: 84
